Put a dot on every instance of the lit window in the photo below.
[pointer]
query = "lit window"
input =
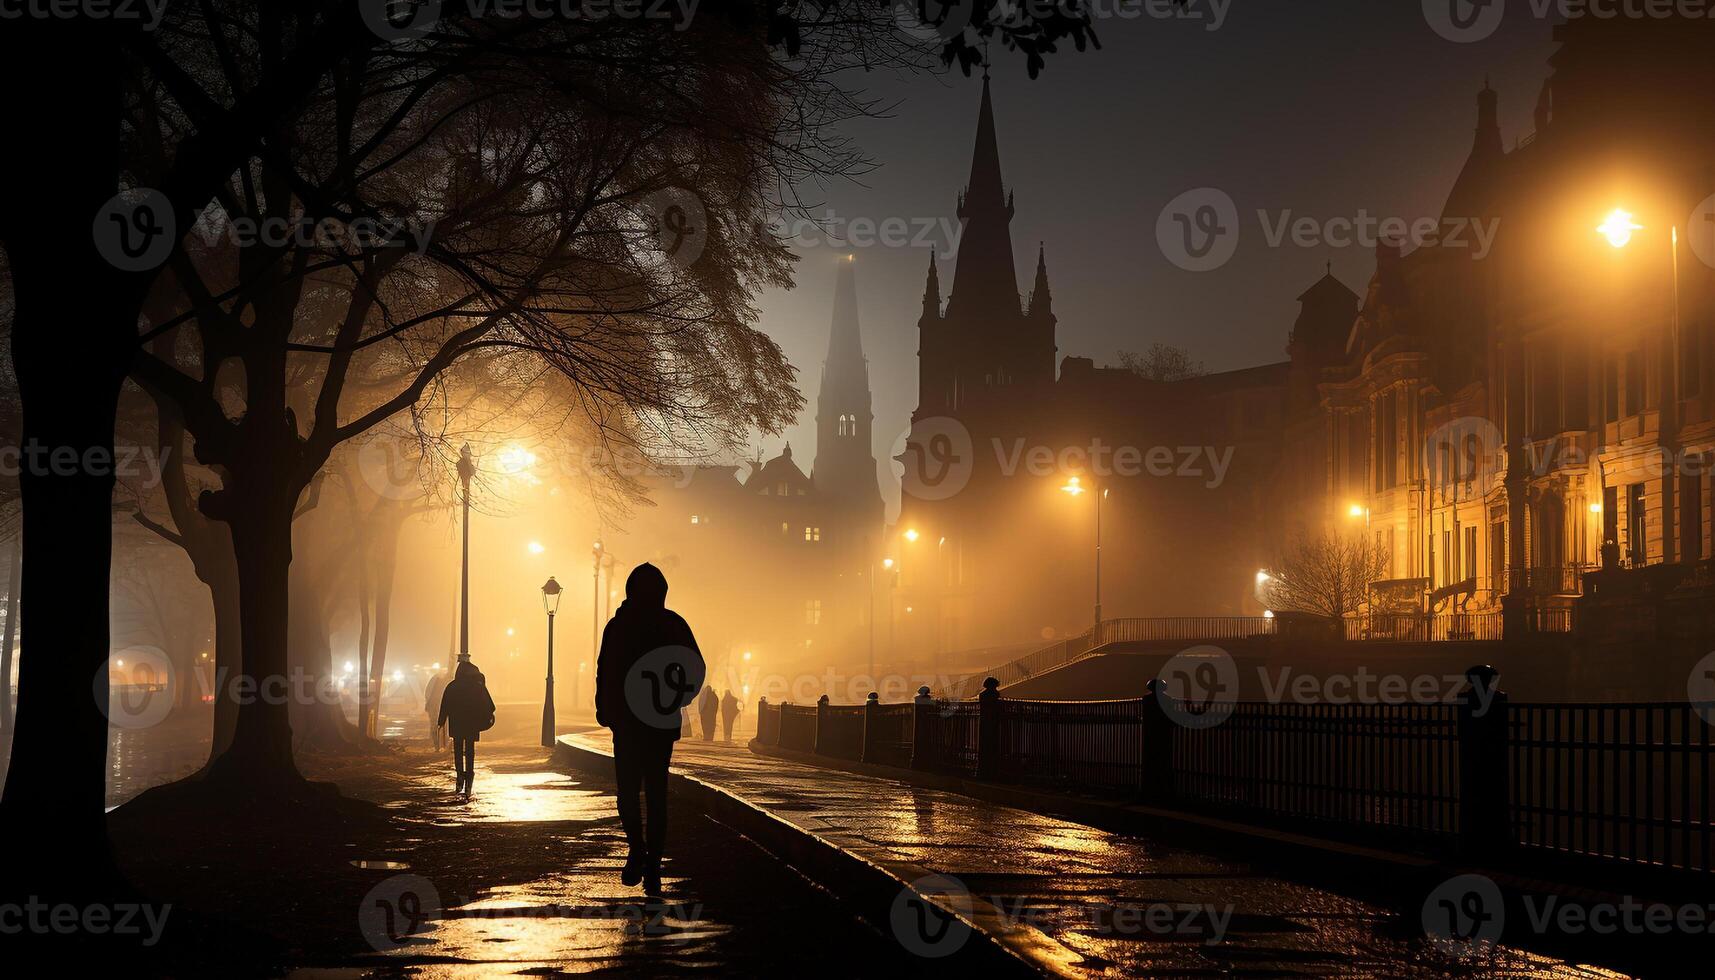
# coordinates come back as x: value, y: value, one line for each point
x: 785, y: 490
x: 812, y: 613
x: 695, y: 519
x: 785, y: 528
x: 812, y: 534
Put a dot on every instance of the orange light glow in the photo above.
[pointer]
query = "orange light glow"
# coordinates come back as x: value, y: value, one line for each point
x: 1617, y: 228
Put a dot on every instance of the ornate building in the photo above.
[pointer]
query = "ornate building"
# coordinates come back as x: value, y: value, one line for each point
x: 1529, y: 429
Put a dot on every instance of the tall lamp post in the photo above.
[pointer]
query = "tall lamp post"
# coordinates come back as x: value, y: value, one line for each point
x: 1618, y: 228
x: 1075, y: 487
x: 467, y: 469
x: 550, y: 602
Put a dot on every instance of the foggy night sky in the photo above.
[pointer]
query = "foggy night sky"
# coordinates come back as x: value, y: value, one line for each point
x: 1320, y: 107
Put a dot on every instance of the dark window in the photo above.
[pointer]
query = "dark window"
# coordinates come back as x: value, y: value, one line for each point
x: 1577, y: 388
x: 1637, y: 539
x: 1498, y: 555
x: 1545, y: 393
x: 1691, y: 359
x: 1470, y: 556
x: 1611, y: 515
x: 1690, y: 517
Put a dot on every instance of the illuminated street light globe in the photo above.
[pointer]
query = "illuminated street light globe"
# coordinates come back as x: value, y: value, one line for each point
x: 1073, y: 486
x: 1617, y: 228
x: 551, y: 596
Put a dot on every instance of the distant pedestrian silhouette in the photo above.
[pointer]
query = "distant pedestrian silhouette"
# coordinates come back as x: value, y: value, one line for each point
x: 729, y: 713
x: 432, y: 707
x: 467, y: 711
x: 647, y: 672
x: 707, y: 706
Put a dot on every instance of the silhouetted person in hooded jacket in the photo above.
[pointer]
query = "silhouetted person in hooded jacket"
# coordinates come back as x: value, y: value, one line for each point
x: 648, y: 671
x: 467, y: 711
x: 707, y: 706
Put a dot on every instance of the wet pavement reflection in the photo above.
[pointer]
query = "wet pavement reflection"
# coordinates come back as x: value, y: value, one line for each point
x: 1122, y: 905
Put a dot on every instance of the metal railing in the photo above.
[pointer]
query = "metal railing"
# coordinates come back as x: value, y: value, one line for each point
x: 1623, y: 782
x: 1443, y: 628
x: 1392, y: 768
x: 1080, y: 745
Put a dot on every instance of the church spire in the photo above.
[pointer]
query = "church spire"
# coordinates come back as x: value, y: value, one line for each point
x: 984, y: 280
x: 845, y: 338
x: 932, y: 291
x: 1041, y: 300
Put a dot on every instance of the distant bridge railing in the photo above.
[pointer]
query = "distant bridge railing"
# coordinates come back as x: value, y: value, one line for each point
x: 1627, y: 784
x: 1408, y: 628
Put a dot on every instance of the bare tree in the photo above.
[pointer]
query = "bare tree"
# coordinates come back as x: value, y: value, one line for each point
x: 1328, y: 576
x: 1162, y: 362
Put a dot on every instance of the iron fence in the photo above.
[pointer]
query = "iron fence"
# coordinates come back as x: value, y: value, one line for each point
x: 1443, y: 628
x: 1079, y: 745
x: 798, y: 727
x: 1392, y: 768
x: 1623, y: 782
x: 887, y: 740
x: 946, y: 737
x: 839, y: 731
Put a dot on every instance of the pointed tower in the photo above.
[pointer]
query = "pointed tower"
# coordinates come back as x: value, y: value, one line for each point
x: 985, y: 351
x: 845, y: 468
x: 1041, y: 300
x: 985, y: 283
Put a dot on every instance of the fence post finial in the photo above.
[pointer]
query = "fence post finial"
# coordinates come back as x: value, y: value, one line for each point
x: 1155, y: 776
x: 988, y: 730
x: 871, y: 728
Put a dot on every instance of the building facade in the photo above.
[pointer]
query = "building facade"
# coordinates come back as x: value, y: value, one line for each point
x: 1527, y: 430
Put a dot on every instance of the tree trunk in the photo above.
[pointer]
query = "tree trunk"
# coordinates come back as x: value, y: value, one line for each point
x: 74, y: 328
x: 261, y: 750
x: 389, y: 517
x: 13, y: 576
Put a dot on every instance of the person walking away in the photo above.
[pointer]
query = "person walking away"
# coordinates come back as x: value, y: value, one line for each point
x: 707, y: 705
x: 647, y: 673
x: 729, y: 713
x: 467, y: 711
x: 432, y: 707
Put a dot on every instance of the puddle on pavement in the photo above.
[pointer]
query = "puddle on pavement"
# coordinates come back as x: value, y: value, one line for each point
x: 381, y: 865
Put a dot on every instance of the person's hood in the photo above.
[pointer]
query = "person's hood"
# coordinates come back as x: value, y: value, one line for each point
x: 645, y: 588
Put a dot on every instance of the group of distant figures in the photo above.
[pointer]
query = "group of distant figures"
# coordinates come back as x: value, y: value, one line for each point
x: 708, y: 705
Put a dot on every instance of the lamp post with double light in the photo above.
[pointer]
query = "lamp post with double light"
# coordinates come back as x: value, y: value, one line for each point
x: 551, y: 603
x: 467, y: 470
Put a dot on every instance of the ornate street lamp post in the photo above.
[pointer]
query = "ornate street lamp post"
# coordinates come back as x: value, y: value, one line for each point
x: 1075, y: 487
x: 550, y: 602
x: 595, y: 601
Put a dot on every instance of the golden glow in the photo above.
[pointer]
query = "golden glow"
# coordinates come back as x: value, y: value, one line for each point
x: 1073, y: 486
x: 1596, y: 508
x: 747, y: 655
x: 514, y: 460
x: 887, y: 563
x: 1617, y: 228
x: 509, y: 631
x: 1356, y: 510
x: 911, y: 535
x: 536, y: 547
x: 1262, y: 577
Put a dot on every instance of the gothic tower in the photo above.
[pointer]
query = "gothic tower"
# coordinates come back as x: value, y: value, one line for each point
x: 986, y: 347
x: 845, y: 469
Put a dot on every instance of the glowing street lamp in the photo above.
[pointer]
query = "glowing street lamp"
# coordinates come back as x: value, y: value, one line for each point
x: 551, y: 602
x: 535, y: 547
x: 1075, y: 488
x: 911, y: 535
x: 1617, y: 228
